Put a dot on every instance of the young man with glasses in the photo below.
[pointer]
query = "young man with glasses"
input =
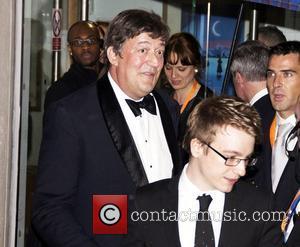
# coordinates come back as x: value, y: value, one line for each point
x: 85, y: 46
x: 220, y: 138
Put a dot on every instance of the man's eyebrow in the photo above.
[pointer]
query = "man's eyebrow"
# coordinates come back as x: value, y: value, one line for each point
x: 89, y: 36
x: 288, y: 70
x: 235, y: 153
x: 143, y: 42
x: 283, y: 70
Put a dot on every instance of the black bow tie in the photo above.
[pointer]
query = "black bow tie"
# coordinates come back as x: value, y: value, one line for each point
x: 147, y: 103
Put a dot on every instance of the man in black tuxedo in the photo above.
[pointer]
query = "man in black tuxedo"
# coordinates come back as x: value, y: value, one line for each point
x: 219, y: 155
x: 283, y: 82
x: 248, y: 69
x: 106, y: 139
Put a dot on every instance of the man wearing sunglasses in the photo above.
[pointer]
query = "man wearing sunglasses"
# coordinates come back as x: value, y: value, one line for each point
x: 84, y: 45
x: 220, y: 139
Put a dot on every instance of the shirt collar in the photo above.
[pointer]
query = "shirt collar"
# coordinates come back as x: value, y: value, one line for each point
x: 121, y: 95
x: 187, y: 188
x: 291, y: 119
x: 118, y: 91
x: 258, y: 95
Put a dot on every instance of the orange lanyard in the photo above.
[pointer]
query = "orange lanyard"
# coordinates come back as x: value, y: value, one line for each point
x: 272, y: 131
x: 190, y: 95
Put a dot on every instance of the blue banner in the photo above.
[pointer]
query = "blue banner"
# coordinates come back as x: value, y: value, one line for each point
x: 287, y: 4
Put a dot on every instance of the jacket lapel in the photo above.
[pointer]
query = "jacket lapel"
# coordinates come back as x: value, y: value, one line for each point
x: 227, y: 230
x: 119, y: 131
x: 169, y: 133
x: 171, y: 205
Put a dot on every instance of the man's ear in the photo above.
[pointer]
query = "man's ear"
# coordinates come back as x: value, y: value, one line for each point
x: 112, y: 56
x: 196, y: 148
x: 70, y: 50
x: 239, y: 78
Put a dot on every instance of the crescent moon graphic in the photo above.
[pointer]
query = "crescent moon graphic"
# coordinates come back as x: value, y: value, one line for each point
x: 213, y: 29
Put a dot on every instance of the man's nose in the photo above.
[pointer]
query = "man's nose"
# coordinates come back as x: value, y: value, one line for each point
x: 154, y: 59
x: 240, y: 169
x: 277, y: 81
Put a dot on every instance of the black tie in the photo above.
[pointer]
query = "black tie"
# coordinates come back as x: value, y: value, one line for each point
x: 204, y: 236
x: 147, y: 103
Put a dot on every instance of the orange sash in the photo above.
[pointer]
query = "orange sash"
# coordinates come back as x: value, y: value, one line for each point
x: 272, y: 131
x: 190, y: 95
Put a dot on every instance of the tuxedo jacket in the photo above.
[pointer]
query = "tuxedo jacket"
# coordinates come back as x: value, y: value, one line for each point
x: 265, y: 109
x: 87, y: 149
x: 266, y: 112
x: 163, y: 195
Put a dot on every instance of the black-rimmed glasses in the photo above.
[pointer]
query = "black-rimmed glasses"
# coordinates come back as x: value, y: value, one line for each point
x: 234, y: 161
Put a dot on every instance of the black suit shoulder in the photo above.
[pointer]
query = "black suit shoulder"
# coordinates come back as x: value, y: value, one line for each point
x: 156, y: 188
x: 75, y: 78
x: 244, y: 188
x: 266, y: 111
x: 252, y: 197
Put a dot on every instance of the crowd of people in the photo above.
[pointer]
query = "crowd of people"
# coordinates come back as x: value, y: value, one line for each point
x: 177, y: 149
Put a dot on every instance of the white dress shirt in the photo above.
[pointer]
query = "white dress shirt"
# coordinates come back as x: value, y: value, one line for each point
x: 258, y: 95
x: 290, y: 146
x: 188, y: 208
x: 149, y: 137
x: 292, y: 120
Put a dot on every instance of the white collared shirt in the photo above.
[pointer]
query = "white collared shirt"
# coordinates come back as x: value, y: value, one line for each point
x: 258, y: 95
x: 279, y: 156
x: 149, y: 137
x: 292, y: 120
x: 188, y: 208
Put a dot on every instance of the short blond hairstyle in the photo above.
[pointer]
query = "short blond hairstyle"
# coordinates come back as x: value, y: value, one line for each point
x: 214, y: 113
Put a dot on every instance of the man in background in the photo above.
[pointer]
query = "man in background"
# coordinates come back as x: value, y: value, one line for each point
x: 248, y: 69
x: 270, y: 35
x: 283, y: 82
x: 85, y: 46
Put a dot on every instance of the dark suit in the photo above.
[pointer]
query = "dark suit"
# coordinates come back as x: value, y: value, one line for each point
x: 163, y: 195
x: 265, y: 109
x: 288, y: 185
x: 262, y: 178
x: 75, y: 78
x: 87, y: 149
x: 266, y: 112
